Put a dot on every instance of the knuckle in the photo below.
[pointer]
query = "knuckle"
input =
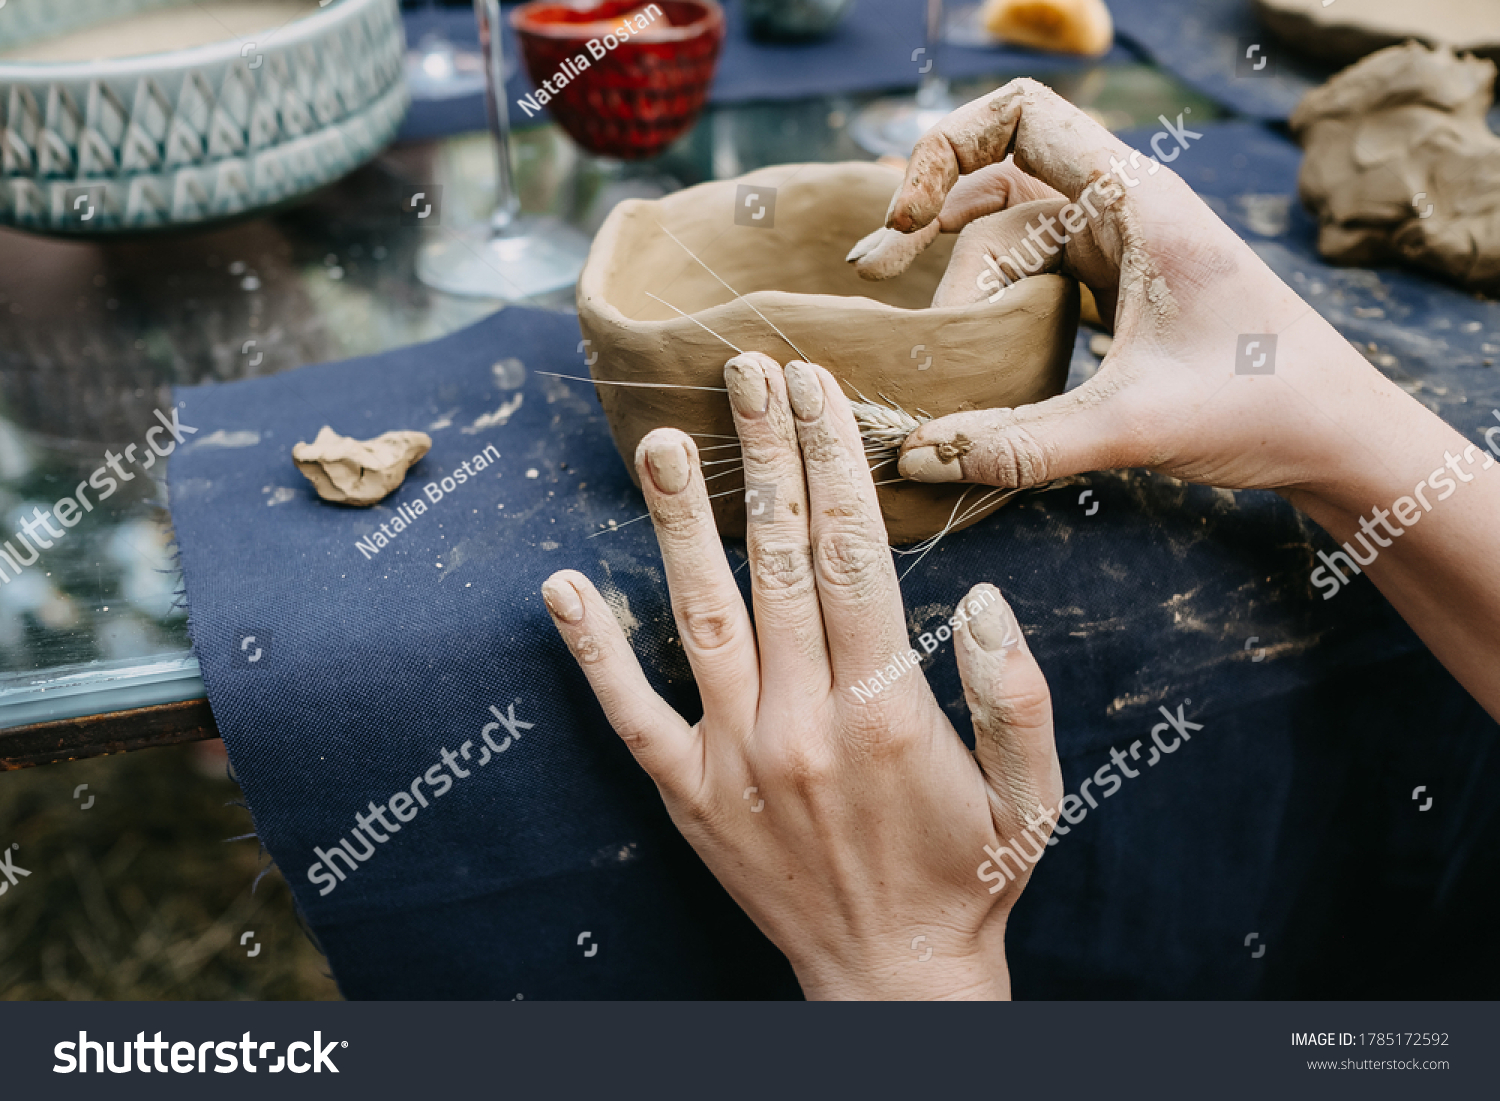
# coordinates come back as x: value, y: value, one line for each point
x: 821, y: 444
x: 784, y: 570
x: 680, y: 520
x: 1168, y: 178
x: 694, y: 816
x: 697, y: 808
x: 868, y: 725
x: 704, y: 818
x: 589, y: 651
x: 1023, y: 702
x: 1015, y: 457
x: 709, y: 629
x: 1029, y: 704
x: 851, y: 562
x: 636, y: 738
x: 886, y: 726
x: 764, y: 450
x: 808, y: 770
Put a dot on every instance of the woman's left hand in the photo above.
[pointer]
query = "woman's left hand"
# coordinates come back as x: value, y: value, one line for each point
x: 850, y: 829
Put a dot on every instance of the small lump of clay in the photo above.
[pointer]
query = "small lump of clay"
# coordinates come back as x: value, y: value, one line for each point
x: 359, y: 472
x: 1401, y: 165
x: 1061, y: 26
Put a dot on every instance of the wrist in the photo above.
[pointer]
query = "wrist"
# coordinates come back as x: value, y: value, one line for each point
x: 1371, y: 444
x: 1411, y: 444
x: 923, y: 968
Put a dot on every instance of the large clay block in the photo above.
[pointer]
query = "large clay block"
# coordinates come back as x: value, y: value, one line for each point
x: 1401, y: 165
x: 881, y: 339
x: 1348, y: 30
x: 359, y: 472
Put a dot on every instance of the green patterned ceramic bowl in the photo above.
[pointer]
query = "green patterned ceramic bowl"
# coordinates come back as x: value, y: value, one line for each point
x: 281, y: 97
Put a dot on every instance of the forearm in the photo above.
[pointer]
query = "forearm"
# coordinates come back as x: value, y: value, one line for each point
x: 1430, y: 514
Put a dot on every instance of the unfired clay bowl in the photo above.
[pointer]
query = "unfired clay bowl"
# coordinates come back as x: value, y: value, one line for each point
x: 881, y: 339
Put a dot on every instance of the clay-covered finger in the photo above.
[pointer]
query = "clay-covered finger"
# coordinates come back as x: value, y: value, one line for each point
x: 788, y: 622
x: 993, y: 188
x: 885, y: 253
x: 711, y: 617
x: 1011, y: 706
x: 857, y: 590
x: 659, y: 737
x: 1031, y: 445
x: 1050, y: 139
x: 998, y: 249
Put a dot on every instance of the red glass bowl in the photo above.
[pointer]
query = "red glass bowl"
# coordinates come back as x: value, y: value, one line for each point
x: 643, y: 92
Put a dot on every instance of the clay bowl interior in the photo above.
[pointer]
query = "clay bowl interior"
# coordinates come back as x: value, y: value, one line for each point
x: 646, y: 89
x: 876, y: 338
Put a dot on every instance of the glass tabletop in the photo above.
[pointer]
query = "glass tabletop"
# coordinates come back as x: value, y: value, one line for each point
x: 94, y: 335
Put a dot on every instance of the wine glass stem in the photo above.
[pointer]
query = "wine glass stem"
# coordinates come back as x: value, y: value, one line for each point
x: 492, y: 41
x: 934, y: 86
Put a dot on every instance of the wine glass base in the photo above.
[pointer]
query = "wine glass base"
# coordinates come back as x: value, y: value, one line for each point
x: 536, y: 256
x: 892, y: 127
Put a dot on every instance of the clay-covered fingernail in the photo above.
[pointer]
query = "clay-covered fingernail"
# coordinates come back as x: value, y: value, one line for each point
x: 562, y: 599
x: 922, y: 464
x: 748, y: 390
x: 865, y: 245
x: 804, y: 390
x: 899, y: 215
x: 992, y: 624
x: 667, y: 460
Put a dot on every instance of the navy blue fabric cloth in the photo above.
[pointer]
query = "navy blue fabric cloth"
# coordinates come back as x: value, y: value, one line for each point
x: 1220, y: 48
x: 1206, y: 42
x: 1287, y: 823
x: 871, y: 50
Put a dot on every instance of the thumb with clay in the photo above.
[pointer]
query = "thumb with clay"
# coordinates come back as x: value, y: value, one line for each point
x: 1011, y: 707
x: 1027, y: 446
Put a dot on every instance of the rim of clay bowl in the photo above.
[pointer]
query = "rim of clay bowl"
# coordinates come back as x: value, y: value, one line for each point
x: 293, y: 33
x: 520, y: 21
x: 1022, y: 295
